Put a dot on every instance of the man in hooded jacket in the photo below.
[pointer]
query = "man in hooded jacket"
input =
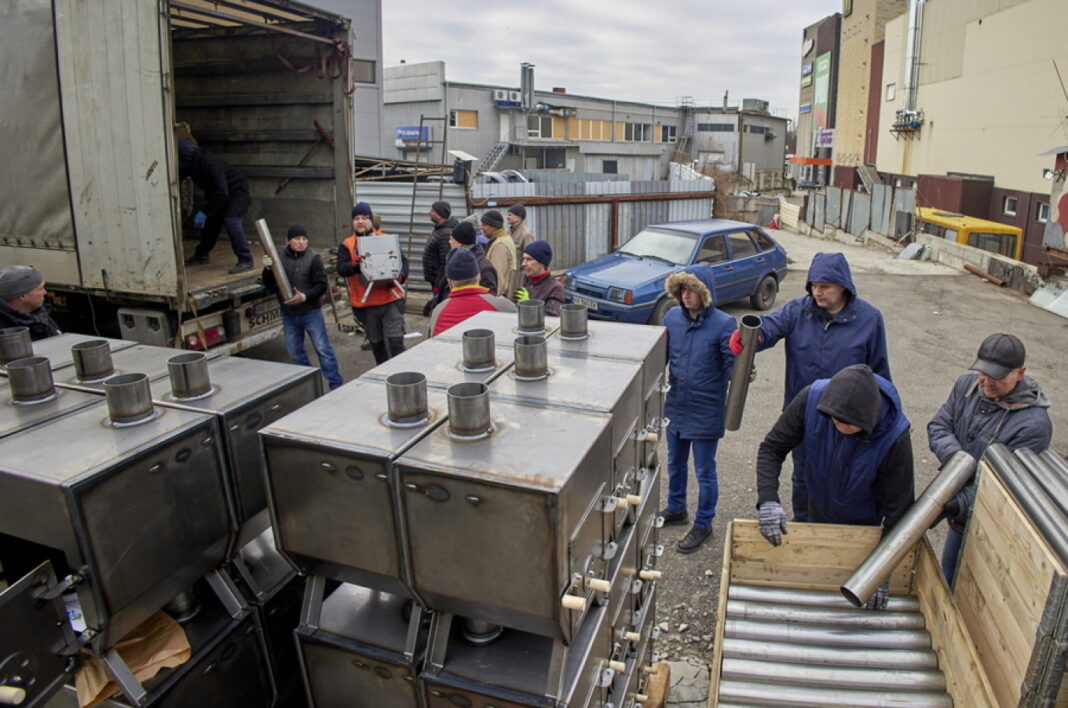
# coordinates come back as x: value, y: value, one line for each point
x: 994, y: 402
x: 859, y: 450
x: 700, y: 368
x: 825, y: 331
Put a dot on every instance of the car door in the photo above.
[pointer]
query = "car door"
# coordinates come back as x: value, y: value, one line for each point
x: 714, y: 252
x: 748, y: 262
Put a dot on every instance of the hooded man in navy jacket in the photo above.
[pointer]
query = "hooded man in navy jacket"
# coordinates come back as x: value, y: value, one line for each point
x: 700, y: 369
x: 825, y: 331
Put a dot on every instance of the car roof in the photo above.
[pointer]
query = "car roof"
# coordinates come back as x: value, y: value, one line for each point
x: 704, y: 226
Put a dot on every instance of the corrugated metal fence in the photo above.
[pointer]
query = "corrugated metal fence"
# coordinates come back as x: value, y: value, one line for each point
x: 575, y: 217
x: 886, y: 210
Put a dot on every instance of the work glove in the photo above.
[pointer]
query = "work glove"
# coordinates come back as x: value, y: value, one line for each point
x: 736, y: 342
x: 428, y: 308
x: 772, y: 521
x: 521, y: 295
x: 268, y: 262
x: 879, y: 599
x: 298, y: 297
x: 199, y: 219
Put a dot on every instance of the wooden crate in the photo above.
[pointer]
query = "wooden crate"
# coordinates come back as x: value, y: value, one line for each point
x: 1012, y: 591
x: 821, y: 557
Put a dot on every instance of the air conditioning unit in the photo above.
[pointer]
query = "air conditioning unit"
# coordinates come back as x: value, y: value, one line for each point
x: 514, y: 97
x: 500, y: 95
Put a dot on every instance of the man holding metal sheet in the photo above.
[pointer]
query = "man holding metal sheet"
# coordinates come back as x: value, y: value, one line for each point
x: 993, y: 402
x: 826, y: 331
x: 700, y: 367
x: 857, y: 440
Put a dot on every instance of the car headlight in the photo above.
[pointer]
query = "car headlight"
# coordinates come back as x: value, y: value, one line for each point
x: 620, y: 295
x: 569, y: 282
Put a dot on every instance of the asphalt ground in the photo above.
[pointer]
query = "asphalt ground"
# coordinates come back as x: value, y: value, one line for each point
x: 935, y: 318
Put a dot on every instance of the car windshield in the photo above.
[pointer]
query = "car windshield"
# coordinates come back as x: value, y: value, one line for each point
x: 671, y: 246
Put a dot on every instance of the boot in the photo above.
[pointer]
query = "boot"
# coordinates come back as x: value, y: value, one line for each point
x: 396, y: 345
x: 380, y: 351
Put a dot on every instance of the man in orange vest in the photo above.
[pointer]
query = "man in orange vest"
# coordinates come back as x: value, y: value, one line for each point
x: 381, y: 311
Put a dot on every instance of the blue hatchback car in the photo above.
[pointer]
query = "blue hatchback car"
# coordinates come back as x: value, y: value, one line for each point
x: 628, y: 285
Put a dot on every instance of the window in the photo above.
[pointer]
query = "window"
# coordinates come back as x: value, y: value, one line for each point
x: 891, y: 92
x: 539, y: 126
x: 713, y: 250
x: 1042, y: 212
x: 610, y: 167
x: 638, y: 132
x: 755, y: 129
x: 463, y: 119
x: 363, y: 71
x: 1008, y: 205
x: 715, y: 127
x: 763, y: 242
x: 668, y: 133
x: 741, y: 246
x: 1005, y: 244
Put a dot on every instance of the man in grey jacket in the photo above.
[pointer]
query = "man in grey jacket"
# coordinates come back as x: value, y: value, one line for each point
x: 993, y: 402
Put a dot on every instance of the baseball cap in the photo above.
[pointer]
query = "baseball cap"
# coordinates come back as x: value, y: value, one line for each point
x: 999, y: 354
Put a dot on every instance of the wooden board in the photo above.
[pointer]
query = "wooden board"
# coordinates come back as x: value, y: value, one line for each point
x: 656, y: 686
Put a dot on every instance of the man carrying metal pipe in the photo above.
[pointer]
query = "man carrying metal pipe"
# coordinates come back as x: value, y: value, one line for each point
x: 857, y: 440
x: 826, y: 331
x: 994, y: 402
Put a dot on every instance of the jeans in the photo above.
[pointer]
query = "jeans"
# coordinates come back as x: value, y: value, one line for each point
x: 209, y: 235
x: 704, y: 464
x: 951, y: 553
x: 314, y: 325
x: 799, y: 484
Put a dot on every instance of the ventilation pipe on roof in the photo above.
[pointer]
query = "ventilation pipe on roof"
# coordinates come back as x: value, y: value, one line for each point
x: 912, y: 53
x: 526, y: 86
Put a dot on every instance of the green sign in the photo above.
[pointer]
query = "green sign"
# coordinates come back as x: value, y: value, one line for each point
x: 806, y: 81
x: 822, y: 91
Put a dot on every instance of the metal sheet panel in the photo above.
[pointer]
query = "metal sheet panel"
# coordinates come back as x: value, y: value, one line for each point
x: 58, y: 349
x: 859, y: 213
x: 833, y: 212
x: 820, y: 212
x: 882, y: 197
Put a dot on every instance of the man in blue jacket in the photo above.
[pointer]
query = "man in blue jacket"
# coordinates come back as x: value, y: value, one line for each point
x: 826, y: 331
x: 226, y: 199
x: 700, y: 368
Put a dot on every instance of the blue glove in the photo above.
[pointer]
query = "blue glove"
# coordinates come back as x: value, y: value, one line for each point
x: 199, y: 219
x: 880, y: 598
x: 772, y: 520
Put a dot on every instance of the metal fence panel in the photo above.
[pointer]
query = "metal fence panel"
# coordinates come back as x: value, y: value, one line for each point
x: 859, y: 213
x: 819, y: 211
x: 881, y: 204
x: 687, y: 209
x: 833, y: 211
x: 904, y: 208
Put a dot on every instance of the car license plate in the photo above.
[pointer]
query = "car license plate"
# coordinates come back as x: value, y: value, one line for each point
x: 590, y: 304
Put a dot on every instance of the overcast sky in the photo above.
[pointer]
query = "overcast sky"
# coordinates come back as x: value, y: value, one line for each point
x: 650, y: 51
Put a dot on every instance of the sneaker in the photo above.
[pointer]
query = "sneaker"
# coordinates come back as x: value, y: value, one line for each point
x: 241, y: 267
x: 693, y: 540
x: 196, y: 260
x: 674, y: 518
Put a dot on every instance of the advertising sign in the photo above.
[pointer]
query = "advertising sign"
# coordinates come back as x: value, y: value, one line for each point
x: 411, y: 137
x: 824, y: 138
x: 822, y: 91
x: 805, y: 107
x: 806, y: 81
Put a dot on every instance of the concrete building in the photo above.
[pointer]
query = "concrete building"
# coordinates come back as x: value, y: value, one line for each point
x: 818, y: 97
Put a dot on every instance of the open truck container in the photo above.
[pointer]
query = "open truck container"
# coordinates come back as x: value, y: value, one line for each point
x: 94, y: 94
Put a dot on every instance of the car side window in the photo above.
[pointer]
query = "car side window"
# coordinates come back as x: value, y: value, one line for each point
x: 741, y: 245
x: 713, y: 250
x: 763, y: 242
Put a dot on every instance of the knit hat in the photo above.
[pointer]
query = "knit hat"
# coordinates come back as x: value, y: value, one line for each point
x: 464, y: 233
x: 296, y: 230
x: 540, y: 251
x: 461, y: 264
x: 999, y: 355
x: 362, y: 209
x: 17, y: 280
x: 442, y: 208
x: 493, y: 218
x: 519, y: 210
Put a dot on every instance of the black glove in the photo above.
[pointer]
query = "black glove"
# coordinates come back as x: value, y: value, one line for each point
x: 429, y: 307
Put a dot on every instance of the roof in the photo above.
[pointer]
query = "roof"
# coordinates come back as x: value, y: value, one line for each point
x: 703, y: 226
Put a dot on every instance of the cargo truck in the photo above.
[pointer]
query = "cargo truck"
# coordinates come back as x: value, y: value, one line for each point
x: 96, y: 93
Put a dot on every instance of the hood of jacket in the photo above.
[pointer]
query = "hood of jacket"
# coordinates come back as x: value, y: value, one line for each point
x: 1027, y: 394
x: 830, y: 268
x: 695, y: 278
x: 853, y: 397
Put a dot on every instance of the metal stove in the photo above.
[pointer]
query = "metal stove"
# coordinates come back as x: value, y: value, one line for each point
x: 58, y: 349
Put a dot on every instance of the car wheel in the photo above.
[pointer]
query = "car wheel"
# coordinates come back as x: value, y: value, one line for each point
x: 764, y: 296
x: 661, y: 309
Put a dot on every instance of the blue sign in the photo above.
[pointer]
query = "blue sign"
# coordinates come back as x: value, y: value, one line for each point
x: 412, y: 132
x: 805, y: 107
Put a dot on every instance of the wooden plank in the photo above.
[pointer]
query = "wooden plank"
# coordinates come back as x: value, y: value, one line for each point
x: 966, y: 681
x: 814, y: 556
x: 656, y: 686
x: 721, y: 615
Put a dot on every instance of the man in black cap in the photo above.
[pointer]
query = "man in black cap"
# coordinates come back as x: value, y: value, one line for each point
x: 437, y: 248
x: 22, y: 296
x: 994, y: 402
x: 860, y: 456
x: 538, y: 280
x: 226, y: 199
x: 501, y: 250
x: 466, y: 296
x: 465, y: 236
x: 517, y: 224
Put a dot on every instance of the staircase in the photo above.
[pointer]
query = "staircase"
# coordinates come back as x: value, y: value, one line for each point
x: 869, y: 176
x: 493, y: 158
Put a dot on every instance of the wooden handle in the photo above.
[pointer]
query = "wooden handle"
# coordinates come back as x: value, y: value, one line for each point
x: 648, y: 436
x: 634, y: 499
x: 650, y: 574
x: 570, y: 602
x: 639, y: 697
x: 632, y: 636
x: 622, y: 502
x: 617, y: 666
x: 598, y: 584
x: 12, y: 696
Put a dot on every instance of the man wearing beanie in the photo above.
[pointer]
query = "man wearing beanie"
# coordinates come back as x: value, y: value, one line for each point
x: 466, y: 236
x: 517, y: 224
x: 378, y: 307
x: 301, y: 314
x: 437, y: 247
x: 226, y: 199
x: 860, y: 456
x: 538, y: 281
x: 993, y: 402
x: 22, y: 296
x: 501, y: 252
x: 466, y: 296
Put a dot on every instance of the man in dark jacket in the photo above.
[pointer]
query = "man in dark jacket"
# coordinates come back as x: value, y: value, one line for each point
x: 466, y: 296
x: 465, y: 235
x: 700, y: 368
x: 437, y: 248
x: 301, y: 314
x: 538, y: 281
x: 994, y: 402
x: 226, y: 200
x: 22, y: 301
x: 859, y: 451
x: 826, y: 331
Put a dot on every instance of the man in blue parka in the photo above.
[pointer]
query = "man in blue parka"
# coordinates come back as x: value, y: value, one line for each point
x: 859, y: 450
x: 825, y: 331
x: 700, y: 368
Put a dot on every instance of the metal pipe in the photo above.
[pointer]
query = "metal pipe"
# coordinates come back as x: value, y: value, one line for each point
x: 1056, y: 462
x: 30, y: 379
x: 762, y: 694
x: 15, y: 343
x: 744, y: 372
x: 826, y: 636
x: 469, y: 409
x: 1051, y: 480
x: 531, y: 316
x: 531, y: 358
x: 828, y: 617
x: 406, y: 397
x: 573, y: 321
x: 92, y: 360
x: 184, y: 606
x: 280, y: 277
x: 129, y: 398
x: 189, y: 375
x: 903, y: 680
x: 479, y: 347
x: 896, y: 544
x: 830, y: 656
x: 811, y: 598
x: 1026, y: 492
